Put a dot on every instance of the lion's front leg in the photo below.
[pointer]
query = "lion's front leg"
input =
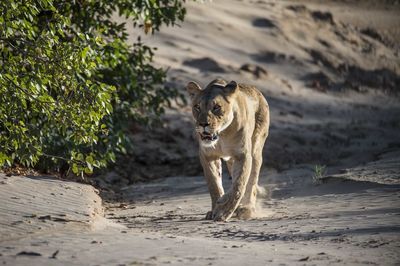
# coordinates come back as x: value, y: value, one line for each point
x: 213, y: 174
x: 227, y: 204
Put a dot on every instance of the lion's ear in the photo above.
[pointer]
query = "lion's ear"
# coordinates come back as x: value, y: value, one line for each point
x: 230, y: 88
x: 193, y: 89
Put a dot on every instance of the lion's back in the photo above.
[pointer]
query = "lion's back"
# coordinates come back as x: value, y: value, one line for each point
x: 256, y: 96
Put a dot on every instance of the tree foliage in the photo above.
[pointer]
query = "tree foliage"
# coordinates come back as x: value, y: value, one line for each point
x: 69, y: 80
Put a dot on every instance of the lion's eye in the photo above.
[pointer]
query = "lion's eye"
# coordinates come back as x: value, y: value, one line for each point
x: 217, y: 108
x: 196, y: 107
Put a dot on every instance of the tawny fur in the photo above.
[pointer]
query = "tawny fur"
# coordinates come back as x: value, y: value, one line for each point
x: 239, y: 115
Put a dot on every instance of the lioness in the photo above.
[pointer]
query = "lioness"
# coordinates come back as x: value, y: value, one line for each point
x: 232, y: 122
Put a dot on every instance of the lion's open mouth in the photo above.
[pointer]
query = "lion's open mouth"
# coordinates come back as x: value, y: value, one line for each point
x: 208, y: 136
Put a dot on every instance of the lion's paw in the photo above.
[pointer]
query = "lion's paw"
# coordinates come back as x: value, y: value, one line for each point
x: 245, y: 213
x: 220, y: 216
x: 209, y: 215
x: 222, y: 213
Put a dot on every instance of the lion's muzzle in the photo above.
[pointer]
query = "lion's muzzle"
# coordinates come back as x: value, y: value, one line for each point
x: 205, y: 136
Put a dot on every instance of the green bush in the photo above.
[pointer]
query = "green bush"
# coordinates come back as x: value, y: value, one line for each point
x: 69, y: 81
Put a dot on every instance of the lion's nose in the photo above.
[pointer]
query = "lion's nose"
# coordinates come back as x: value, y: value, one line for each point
x: 206, y: 124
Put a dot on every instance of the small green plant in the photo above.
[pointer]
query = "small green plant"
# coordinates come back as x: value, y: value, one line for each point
x: 319, y: 172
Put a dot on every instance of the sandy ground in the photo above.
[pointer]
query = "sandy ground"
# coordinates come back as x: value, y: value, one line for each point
x: 36, y: 204
x: 340, y: 222
x: 330, y: 72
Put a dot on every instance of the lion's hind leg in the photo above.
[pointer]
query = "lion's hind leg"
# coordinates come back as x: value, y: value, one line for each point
x: 247, y: 207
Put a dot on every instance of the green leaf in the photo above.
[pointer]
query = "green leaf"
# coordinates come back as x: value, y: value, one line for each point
x: 75, y: 168
x: 84, y: 52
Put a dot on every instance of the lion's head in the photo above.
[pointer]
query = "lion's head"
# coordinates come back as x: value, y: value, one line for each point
x: 212, y: 108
